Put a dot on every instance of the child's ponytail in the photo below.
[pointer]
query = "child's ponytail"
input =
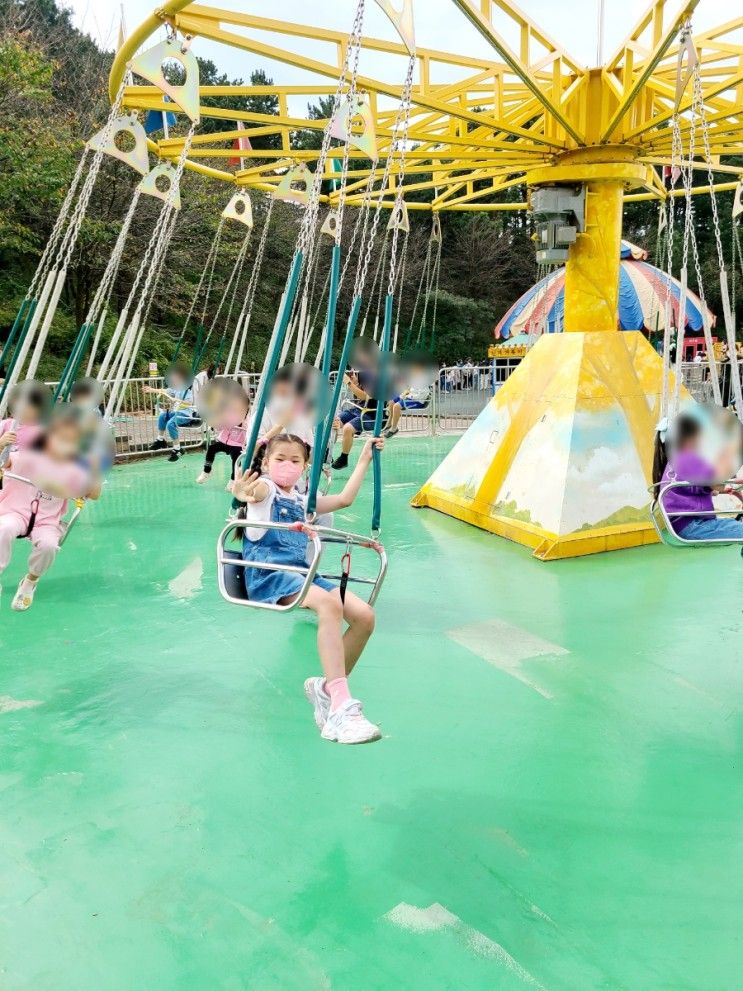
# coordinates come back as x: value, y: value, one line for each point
x: 660, y: 456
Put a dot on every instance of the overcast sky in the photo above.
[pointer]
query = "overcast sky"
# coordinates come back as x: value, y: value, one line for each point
x: 573, y: 25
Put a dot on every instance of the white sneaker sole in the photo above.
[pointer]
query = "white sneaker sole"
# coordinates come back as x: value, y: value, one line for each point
x: 313, y: 697
x: 355, y: 742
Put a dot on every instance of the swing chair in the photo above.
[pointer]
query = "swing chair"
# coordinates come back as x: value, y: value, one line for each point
x: 293, y: 311
x: 665, y: 523
x: 683, y: 165
x: 231, y: 568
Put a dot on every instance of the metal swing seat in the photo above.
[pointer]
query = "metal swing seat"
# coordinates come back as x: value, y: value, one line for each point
x: 663, y: 521
x: 231, y: 567
x: 350, y: 403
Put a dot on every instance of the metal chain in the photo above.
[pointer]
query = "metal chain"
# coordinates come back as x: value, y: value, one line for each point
x: 403, y: 113
x: 232, y: 282
x: 361, y: 226
x: 105, y: 287
x: 210, y: 283
x: 699, y: 102
x: 149, y: 265
x: 53, y: 242
x: 243, y: 321
x: 406, y: 109
x: 355, y: 44
x: 202, y: 278
x: 236, y: 285
x: 70, y: 238
x: 309, y: 222
x: 676, y: 150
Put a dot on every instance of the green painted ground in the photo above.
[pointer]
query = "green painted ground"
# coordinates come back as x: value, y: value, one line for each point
x: 556, y: 803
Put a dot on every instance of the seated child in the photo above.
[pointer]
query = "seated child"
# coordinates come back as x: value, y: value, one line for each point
x: 416, y: 396
x: 98, y: 449
x: 181, y: 411
x: 274, y: 498
x: 36, y: 510
x: 225, y: 406
x: 678, y: 457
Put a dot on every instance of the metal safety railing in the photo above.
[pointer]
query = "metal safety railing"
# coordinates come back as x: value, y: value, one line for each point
x: 457, y: 397
x: 697, y: 377
x: 135, y: 427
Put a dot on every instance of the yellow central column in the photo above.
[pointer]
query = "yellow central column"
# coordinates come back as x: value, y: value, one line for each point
x: 592, y: 274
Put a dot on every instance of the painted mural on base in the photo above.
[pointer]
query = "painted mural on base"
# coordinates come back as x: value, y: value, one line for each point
x: 561, y: 458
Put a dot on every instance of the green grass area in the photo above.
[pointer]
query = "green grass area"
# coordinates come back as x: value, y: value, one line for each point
x: 555, y: 804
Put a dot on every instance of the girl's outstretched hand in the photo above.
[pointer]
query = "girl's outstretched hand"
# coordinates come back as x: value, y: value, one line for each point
x: 8, y: 438
x: 245, y: 485
x: 369, y: 446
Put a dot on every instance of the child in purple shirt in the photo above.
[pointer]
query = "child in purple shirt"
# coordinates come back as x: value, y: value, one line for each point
x: 684, y: 463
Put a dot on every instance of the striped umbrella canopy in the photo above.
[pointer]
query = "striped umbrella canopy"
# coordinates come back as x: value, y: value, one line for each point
x: 643, y: 290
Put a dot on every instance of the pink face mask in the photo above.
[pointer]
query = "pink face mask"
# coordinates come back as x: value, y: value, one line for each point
x: 285, y: 474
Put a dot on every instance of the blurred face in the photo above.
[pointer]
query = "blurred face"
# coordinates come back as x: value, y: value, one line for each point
x: 283, y: 398
x: 63, y: 442
x: 84, y: 401
x: 235, y: 413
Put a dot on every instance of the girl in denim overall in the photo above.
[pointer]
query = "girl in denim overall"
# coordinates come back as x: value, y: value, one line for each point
x: 273, y: 497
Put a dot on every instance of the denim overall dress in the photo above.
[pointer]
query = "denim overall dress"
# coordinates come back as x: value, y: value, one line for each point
x: 286, y: 547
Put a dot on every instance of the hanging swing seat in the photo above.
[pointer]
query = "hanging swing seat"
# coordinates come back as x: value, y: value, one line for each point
x: 231, y: 567
x: 664, y: 522
x: 350, y: 403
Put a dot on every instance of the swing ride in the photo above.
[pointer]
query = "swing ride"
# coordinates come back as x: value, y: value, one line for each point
x: 584, y: 142
x: 533, y: 758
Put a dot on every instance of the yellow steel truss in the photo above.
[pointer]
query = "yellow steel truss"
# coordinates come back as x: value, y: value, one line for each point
x: 526, y: 115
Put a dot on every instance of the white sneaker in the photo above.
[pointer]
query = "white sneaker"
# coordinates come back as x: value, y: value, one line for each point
x: 349, y: 725
x: 24, y: 597
x: 203, y: 477
x: 229, y: 487
x: 319, y: 699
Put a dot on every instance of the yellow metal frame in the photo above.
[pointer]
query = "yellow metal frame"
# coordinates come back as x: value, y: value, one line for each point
x: 520, y: 118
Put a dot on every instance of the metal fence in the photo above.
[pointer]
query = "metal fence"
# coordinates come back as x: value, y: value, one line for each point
x: 135, y: 427
x: 697, y: 377
x: 457, y: 398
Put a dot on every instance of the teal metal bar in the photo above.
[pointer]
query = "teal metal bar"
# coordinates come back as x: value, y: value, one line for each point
x: 72, y: 377
x: 70, y: 362
x: 381, y: 404
x: 16, y: 353
x: 327, y: 365
x: 272, y: 358
x: 338, y: 389
x: 14, y: 330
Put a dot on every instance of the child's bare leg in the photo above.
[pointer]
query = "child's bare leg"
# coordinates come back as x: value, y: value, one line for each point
x: 330, y: 644
x: 360, y: 618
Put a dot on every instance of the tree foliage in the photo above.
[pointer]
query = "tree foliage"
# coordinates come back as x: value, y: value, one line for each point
x: 53, y: 96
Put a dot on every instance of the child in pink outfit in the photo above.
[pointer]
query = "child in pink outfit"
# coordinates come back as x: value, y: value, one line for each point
x: 229, y: 417
x: 35, y: 508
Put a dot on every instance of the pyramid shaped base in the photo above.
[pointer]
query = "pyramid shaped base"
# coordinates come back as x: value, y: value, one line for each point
x: 561, y: 458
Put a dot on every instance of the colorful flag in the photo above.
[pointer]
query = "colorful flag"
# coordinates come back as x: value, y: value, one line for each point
x: 240, y: 144
x: 153, y: 121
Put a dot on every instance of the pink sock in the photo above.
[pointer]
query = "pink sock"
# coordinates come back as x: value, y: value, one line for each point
x: 338, y: 692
